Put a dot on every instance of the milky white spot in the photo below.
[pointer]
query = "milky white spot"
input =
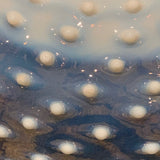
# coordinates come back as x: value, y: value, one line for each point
x: 133, y: 6
x: 101, y: 132
x: 15, y: 18
x: 39, y: 156
x: 23, y: 79
x: 29, y: 122
x: 57, y: 108
x: 129, y: 36
x: 89, y: 90
x: 68, y: 147
x: 151, y: 148
x: 4, y: 131
x: 47, y: 58
x: 89, y: 8
x: 138, y: 112
x: 69, y: 33
x: 116, y: 65
x: 153, y: 88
